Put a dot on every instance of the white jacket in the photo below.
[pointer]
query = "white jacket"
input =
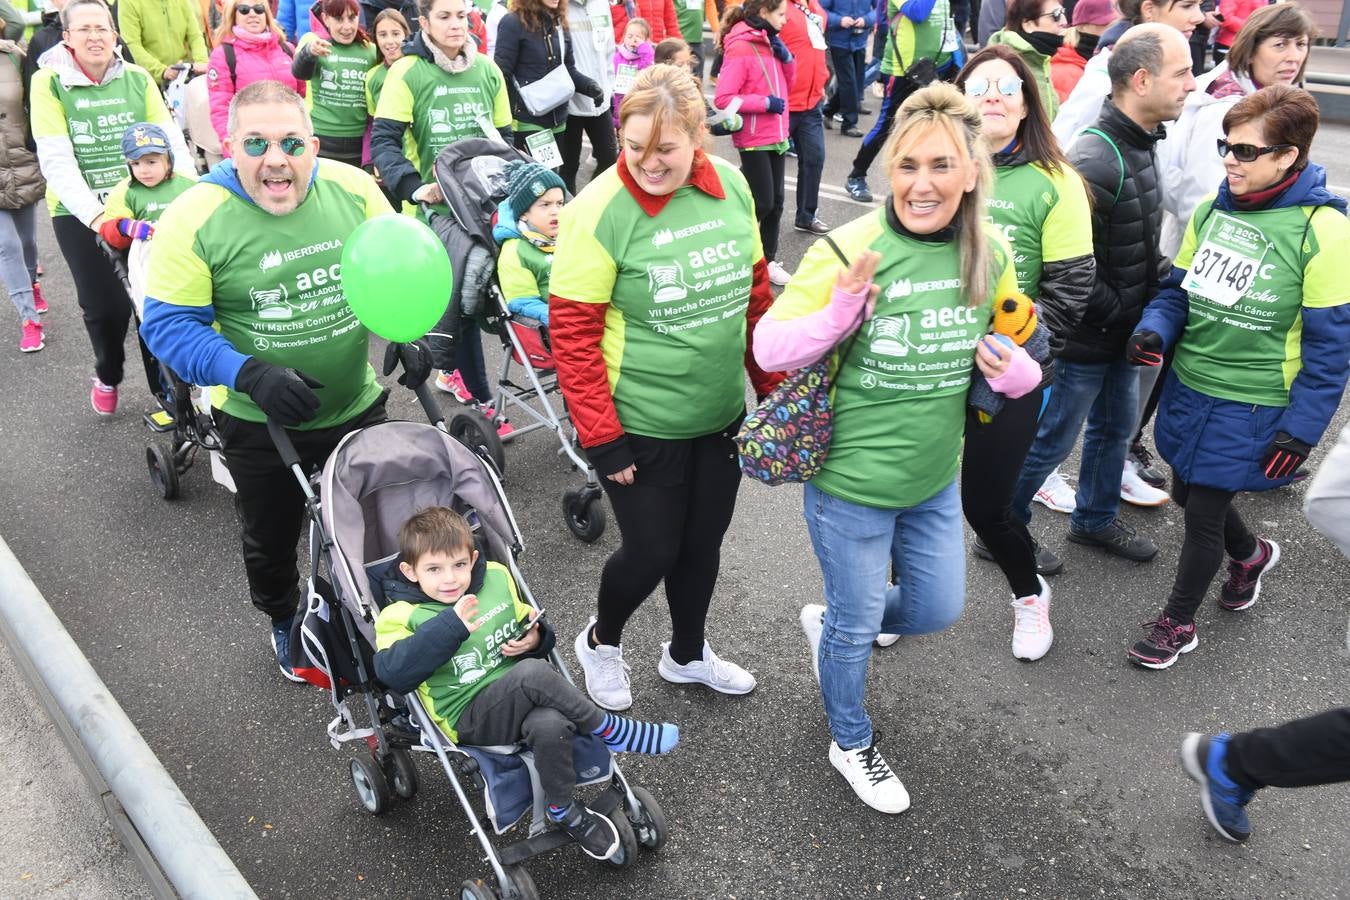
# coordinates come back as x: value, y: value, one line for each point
x: 1328, y: 502
x: 1188, y: 160
x: 1084, y: 104
x: 593, y: 50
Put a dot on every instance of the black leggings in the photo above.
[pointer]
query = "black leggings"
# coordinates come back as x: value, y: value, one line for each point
x: 989, y: 468
x: 672, y: 519
x: 764, y: 171
x: 1301, y: 753
x: 897, y: 89
x: 103, y: 302
x: 600, y: 129
x: 1213, y: 528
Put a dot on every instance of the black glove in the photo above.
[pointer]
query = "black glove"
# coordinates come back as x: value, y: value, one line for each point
x: 1285, y: 454
x: 775, y: 104
x: 780, y: 50
x: 416, y: 359
x: 1145, y: 348
x: 595, y: 92
x: 283, y: 394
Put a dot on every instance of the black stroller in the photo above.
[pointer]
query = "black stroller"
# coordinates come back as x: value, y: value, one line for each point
x: 469, y: 175
x: 372, y: 482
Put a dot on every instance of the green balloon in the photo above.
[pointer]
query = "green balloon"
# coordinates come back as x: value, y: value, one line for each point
x: 396, y: 275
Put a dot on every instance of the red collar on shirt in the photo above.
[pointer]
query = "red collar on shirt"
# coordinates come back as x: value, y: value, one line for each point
x: 703, y: 176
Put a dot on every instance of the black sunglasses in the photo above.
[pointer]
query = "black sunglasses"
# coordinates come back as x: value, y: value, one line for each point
x: 257, y: 146
x: 245, y: 10
x: 1249, y: 152
x: 1057, y: 14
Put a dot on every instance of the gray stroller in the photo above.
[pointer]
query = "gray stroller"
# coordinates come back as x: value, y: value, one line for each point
x: 371, y: 483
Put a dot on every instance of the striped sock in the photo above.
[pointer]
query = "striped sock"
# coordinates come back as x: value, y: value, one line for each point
x: 624, y: 735
x: 559, y: 813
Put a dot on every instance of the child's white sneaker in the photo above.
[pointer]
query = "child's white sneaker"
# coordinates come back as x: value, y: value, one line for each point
x: 606, y: 672
x: 871, y: 777
x: 711, y: 670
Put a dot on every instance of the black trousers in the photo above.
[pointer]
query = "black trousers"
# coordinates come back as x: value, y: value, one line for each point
x: 991, y: 463
x: 1213, y: 528
x: 342, y: 149
x: 270, y: 504
x: 764, y: 170
x: 600, y: 129
x: 672, y: 519
x: 104, y: 303
x: 533, y: 702
x: 1301, y: 753
x: 849, y: 66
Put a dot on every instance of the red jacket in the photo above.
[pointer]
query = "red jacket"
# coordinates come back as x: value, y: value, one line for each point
x: 660, y: 14
x: 808, y: 85
x: 1066, y: 70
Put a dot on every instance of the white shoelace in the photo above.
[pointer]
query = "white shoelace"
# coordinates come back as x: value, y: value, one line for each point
x: 1030, y: 616
x: 612, y: 671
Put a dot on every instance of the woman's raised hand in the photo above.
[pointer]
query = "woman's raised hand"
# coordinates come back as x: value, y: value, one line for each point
x: 859, y: 276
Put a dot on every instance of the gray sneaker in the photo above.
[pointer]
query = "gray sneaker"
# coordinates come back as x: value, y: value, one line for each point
x: 1118, y: 539
x: 1048, y: 563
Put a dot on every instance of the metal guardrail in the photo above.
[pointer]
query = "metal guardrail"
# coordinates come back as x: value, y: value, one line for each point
x: 169, y: 841
x: 1315, y: 78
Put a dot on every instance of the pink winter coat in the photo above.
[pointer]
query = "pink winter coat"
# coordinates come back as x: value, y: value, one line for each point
x: 257, y: 57
x: 1235, y: 13
x: 751, y: 71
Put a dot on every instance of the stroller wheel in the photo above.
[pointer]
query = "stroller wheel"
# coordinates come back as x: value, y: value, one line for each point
x: 474, y: 431
x: 371, y: 788
x: 650, y: 826
x: 402, y: 773
x: 475, y: 889
x: 626, y: 856
x: 584, y: 512
x: 163, y: 471
x: 519, y: 885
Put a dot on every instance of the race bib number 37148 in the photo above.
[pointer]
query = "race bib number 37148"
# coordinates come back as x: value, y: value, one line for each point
x: 1227, y: 260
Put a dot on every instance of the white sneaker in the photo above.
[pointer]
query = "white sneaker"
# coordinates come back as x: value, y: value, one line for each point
x: 870, y: 777
x: 606, y: 672
x: 885, y: 639
x: 812, y: 618
x: 1032, y: 634
x: 1056, y: 494
x: 777, y: 274
x: 1137, y: 491
x: 711, y: 670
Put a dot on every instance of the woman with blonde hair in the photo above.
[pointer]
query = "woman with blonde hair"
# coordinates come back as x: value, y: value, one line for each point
x: 250, y: 46
x: 658, y: 281
x: 903, y: 322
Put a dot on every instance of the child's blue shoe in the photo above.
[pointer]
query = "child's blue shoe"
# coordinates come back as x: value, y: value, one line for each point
x: 281, y: 646
x: 1223, y: 801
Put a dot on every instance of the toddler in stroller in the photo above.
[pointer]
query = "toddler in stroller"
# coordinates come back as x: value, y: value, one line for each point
x: 456, y: 631
x: 527, y: 229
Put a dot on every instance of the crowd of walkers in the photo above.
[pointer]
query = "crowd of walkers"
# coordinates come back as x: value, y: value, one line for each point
x: 1178, y: 246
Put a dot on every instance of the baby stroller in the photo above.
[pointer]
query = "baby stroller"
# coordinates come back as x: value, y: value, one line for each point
x: 371, y: 483
x: 184, y: 412
x: 469, y: 175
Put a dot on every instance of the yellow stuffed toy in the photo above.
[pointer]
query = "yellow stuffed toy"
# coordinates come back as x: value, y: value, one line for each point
x: 1015, y: 322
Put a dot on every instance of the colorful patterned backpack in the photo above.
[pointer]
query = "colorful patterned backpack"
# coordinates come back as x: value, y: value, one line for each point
x: 785, y: 439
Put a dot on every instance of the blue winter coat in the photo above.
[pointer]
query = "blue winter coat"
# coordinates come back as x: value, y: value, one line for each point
x: 843, y: 38
x: 1220, y: 443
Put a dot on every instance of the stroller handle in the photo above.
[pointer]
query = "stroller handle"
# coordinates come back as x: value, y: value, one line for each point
x: 282, y: 440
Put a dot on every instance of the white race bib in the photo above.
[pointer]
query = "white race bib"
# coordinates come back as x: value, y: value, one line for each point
x: 544, y: 149
x: 814, y: 32
x: 1227, y: 260
x: 693, y: 5
x: 623, y: 79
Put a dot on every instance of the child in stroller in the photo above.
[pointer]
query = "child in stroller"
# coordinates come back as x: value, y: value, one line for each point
x: 527, y: 229
x: 456, y: 631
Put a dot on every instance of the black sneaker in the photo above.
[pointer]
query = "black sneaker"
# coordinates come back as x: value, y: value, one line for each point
x: 815, y: 226
x: 1048, y: 563
x: 1146, y: 468
x: 598, y: 837
x: 865, y: 110
x: 1244, y: 579
x: 1117, y: 539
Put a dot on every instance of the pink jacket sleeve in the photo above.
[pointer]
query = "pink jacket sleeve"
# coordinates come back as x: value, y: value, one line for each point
x: 791, y: 344
x: 220, y: 91
x: 734, y: 79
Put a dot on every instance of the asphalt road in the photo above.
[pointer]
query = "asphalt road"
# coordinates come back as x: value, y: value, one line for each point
x: 1054, y: 779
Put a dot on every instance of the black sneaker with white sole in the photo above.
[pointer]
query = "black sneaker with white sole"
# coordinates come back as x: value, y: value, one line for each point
x: 596, y: 835
x: 1048, y: 563
x: 1118, y: 539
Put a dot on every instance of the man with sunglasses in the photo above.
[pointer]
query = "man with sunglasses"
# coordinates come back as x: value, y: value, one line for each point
x: 245, y: 292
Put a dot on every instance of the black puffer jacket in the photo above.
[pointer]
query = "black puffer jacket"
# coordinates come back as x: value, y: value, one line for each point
x: 1121, y: 170
x: 525, y: 56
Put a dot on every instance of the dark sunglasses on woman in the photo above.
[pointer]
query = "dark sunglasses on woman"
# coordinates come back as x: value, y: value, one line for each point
x: 254, y: 10
x: 1248, y: 152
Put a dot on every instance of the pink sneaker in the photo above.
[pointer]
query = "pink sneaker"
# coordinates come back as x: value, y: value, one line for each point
x: 504, y: 428
x: 452, y: 383
x: 39, y: 302
x: 32, y: 341
x: 103, y: 398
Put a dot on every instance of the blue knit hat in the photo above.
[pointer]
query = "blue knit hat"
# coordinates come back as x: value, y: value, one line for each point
x: 527, y: 181
x: 143, y: 138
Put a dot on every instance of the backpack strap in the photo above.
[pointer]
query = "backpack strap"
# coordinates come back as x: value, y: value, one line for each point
x: 857, y: 329
x: 228, y: 48
x: 1120, y: 159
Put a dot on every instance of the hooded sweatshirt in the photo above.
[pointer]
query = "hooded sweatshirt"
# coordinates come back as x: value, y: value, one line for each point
x: 257, y: 57
x: 1036, y: 61
x: 751, y: 71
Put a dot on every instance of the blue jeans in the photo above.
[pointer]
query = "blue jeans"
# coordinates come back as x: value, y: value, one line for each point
x: 1105, y: 396
x: 807, y: 130
x: 18, y: 257
x: 856, y: 545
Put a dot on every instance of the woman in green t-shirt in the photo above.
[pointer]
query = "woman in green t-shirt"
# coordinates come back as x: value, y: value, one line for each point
x: 917, y: 300
x: 334, y: 59
x: 1040, y: 204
